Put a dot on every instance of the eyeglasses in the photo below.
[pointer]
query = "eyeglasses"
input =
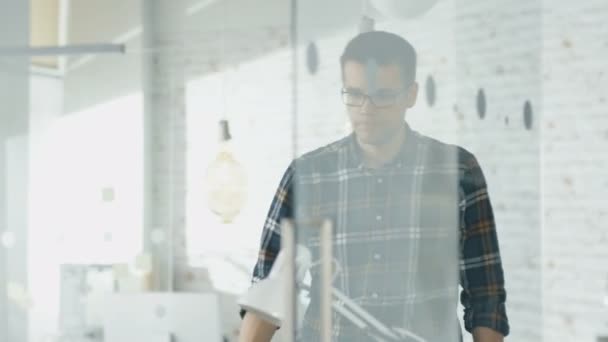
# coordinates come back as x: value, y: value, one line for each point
x: 355, y: 98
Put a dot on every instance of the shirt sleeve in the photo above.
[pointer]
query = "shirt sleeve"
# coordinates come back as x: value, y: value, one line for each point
x: 481, y: 273
x: 270, y: 244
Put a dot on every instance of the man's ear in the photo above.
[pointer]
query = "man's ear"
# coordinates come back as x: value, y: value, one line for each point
x: 412, y: 95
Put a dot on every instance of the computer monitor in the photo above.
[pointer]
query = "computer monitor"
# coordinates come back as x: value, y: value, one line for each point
x: 162, y: 317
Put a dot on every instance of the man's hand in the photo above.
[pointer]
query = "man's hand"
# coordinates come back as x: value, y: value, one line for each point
x: 255, y: 329
x: 483, y: 334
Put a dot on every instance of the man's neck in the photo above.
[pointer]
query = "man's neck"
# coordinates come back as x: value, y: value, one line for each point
x: 375, y: 156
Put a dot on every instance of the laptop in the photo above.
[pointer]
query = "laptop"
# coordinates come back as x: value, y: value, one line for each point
x: 162, y: 317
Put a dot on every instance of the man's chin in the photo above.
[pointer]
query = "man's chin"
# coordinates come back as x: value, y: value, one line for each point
x: 371, y: 139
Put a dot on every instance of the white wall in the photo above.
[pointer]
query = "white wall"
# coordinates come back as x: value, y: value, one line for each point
x: 46, y: 100
x: 574, y: 144
x: 73, y: 159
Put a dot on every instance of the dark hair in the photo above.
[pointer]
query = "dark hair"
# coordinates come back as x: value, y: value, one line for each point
x: 383, y: 48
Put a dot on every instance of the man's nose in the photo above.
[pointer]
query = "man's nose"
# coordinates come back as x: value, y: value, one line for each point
x: 367, y: 107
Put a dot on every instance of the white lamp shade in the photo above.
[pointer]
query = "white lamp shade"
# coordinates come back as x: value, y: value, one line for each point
x: 268, y: 297
x: 402, y: 9
x: 268, y: 300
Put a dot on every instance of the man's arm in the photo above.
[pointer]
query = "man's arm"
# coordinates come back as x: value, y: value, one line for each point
x: 483, y: 334
x: 253, y: 328
x: 481, y: 274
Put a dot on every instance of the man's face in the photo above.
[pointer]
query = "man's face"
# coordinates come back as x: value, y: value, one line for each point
x: 377, y: 120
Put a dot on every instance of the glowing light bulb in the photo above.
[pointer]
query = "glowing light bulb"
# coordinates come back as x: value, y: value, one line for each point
x: 226, y: 180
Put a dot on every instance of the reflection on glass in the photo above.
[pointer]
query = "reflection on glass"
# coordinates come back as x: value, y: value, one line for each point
x: 527, y: 84
x: 157, y: 236
x: 19, y: 296
x: 8, y: 239
x: 411, y: 216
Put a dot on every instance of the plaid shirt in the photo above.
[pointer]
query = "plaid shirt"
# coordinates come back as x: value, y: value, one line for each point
x: 404, y: 235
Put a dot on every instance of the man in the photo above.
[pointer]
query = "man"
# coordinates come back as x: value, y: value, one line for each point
x: 411, y: 215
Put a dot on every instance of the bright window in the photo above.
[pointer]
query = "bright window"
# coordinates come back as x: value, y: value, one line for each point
x: 87, y: 183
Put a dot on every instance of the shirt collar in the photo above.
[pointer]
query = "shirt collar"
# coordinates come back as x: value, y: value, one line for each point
x: 404, y: 157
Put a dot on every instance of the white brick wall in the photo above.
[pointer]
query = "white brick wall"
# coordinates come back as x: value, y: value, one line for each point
x: 574, y: 144
x: 517, y: 52
x: 487, y: 53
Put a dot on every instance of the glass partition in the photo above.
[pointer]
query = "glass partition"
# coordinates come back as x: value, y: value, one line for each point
x: 347, y: 171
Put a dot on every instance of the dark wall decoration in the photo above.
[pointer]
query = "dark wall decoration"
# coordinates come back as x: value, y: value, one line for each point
x: 312, y: 58
x: 431, y: 91
x: 528, y: 115
x: 481, y: 104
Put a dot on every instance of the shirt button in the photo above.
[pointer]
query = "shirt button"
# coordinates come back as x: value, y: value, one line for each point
x: 374, y: 295
x: 378, y: 218
x: 380, y: 180
x: 377, y: 256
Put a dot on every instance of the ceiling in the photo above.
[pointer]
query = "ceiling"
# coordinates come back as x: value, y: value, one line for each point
x: 64, y: 22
